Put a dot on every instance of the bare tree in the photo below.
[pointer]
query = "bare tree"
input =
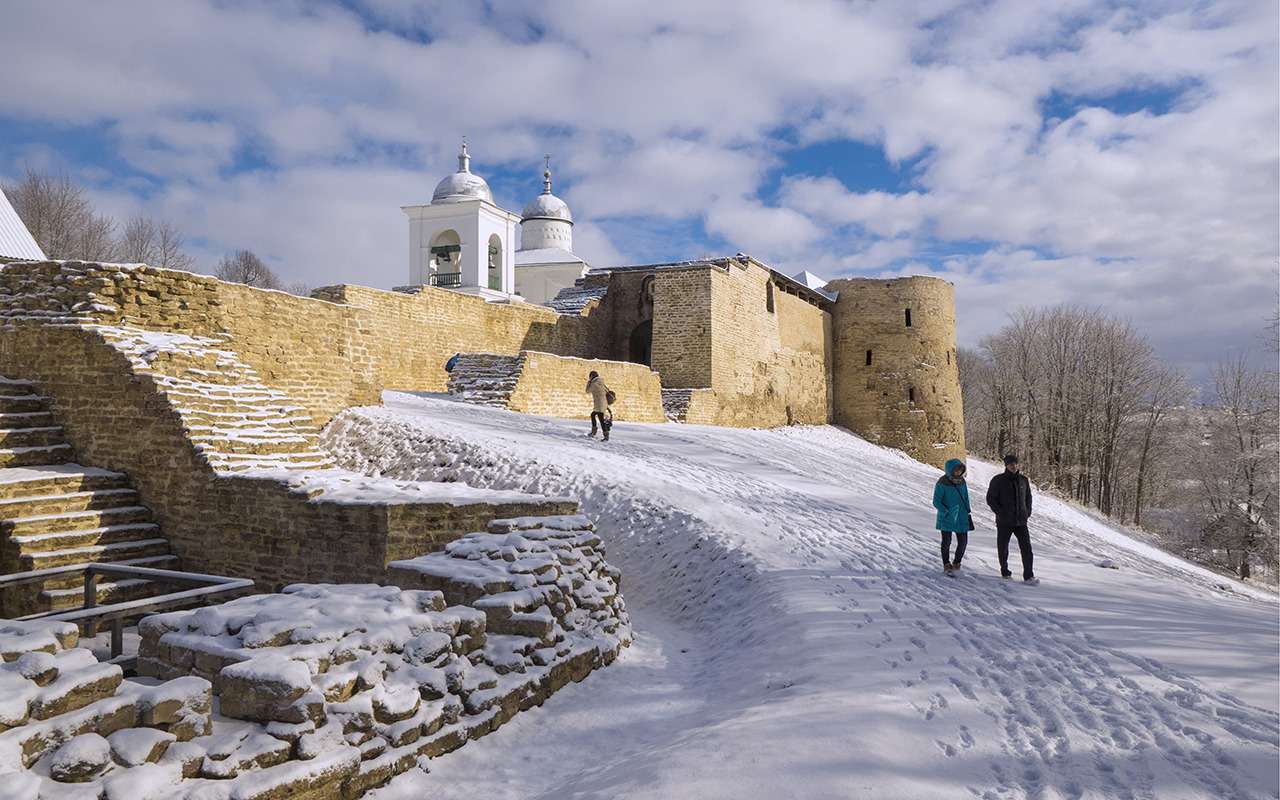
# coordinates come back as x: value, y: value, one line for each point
x: 1237, y: 471
x: 1166, y: 390
x: 245, y: 267
x: 61, y: 219
x: 300, y: 288
x: 159, y: 244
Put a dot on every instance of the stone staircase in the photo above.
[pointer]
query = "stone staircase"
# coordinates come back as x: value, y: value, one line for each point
x: 675, y: 403
x: 234, y: 420
x: 486, y: 379
x: 54, y: 513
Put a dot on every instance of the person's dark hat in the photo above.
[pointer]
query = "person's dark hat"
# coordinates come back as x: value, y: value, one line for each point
x: 1010, y: 459
x: 594, y: 374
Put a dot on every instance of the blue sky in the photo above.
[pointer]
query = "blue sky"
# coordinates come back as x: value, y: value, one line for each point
x: 1122, y: 156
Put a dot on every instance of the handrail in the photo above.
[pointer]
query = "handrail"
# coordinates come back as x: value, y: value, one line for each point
x: 91, y: 613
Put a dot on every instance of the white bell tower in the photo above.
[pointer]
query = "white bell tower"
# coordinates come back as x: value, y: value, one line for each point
x: 462, y: 240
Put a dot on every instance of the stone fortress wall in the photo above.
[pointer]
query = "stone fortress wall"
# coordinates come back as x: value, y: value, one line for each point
x: 896, y: 383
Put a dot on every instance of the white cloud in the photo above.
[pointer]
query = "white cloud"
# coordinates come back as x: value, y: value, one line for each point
x: 675, y: 115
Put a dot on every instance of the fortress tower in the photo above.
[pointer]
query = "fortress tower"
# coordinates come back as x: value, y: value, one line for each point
x: 894, y: 369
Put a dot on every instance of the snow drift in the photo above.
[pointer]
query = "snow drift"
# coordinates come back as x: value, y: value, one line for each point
x: 795, y: 636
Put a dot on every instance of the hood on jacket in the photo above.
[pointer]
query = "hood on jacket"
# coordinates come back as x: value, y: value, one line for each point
x: 952, y: 464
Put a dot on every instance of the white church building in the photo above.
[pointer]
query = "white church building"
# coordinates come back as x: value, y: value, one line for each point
x: 464, y: 241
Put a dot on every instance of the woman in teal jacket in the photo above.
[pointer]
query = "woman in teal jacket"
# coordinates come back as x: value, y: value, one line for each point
x: 951, y: 498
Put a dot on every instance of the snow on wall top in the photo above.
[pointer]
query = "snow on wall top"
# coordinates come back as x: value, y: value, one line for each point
x: 15, y: 240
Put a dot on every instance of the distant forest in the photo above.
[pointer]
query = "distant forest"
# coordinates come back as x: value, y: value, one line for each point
x: 1096, y: 417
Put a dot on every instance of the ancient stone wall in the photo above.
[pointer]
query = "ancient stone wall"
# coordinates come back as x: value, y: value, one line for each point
x: 770, y: 352
x: 123, y: 419
x: 555, y: 386
x: 908, y: 395
x: 335, y: 350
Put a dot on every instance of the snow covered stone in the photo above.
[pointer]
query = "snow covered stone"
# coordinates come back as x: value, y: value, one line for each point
x: 132, y: 747
x: 263, y: 688
x: 81, y: 759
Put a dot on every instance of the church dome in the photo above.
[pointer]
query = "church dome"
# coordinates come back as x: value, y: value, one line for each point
x: 462, y: 185
x: 547, y: 205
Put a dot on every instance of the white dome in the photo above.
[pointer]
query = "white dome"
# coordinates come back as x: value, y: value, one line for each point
x: 547, y: 206
x: 462, y: 185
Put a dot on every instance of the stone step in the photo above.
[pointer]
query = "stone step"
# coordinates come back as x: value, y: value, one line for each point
x: 21, y: 403
x: 61, y: 503
x: 284, y: 443
x: 27, y: 419
x: 9, y: 387
x: 45, y: 480
x: 76, y: 581
x: 74, y: 521
x: 34, y: 456
x: 102, y: 553
x: 32, y: 544
x: 107, y: 591
x: 45, y: 436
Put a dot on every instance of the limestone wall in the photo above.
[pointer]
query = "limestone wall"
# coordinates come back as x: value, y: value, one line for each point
x: 556, y: 386
x: 769, y: 367
x: 875, y: 400
x: 682, y: 327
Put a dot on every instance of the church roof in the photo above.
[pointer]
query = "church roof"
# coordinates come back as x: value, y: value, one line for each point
x: 16, y: 241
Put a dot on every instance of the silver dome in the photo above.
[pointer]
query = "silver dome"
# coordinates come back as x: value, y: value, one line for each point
x: 462, y: 185
x: 547, y: 205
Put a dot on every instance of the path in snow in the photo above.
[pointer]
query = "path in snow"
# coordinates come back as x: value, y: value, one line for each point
x: 795, y: 636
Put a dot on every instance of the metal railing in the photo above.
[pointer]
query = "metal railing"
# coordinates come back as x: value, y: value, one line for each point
x: 445, y: 279
x: 90, y: 615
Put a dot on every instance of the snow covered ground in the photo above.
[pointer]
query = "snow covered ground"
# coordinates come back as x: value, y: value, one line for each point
x: 795, y: 636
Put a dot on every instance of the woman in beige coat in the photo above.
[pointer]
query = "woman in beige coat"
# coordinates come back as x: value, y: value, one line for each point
x: 599, y: 404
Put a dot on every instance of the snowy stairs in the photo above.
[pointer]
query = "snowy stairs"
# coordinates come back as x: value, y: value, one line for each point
x: 486, y: 379
x: 54, y: 513
x: 28, y: 434
x: 675, y: 403
x: 233, y: 420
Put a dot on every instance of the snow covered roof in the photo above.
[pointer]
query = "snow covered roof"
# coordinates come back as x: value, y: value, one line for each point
x: 741, y: 259
x: 809, y: 279
x: 547, y: 255
x: 15, y: 240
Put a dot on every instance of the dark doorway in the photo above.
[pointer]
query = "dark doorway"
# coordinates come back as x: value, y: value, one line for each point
x: 642, y: 343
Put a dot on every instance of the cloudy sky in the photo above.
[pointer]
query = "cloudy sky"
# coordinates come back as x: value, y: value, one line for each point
x: 1122, y: 155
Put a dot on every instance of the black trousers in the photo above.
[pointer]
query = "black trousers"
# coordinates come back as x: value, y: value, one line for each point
x: 1003, y: 532
x: 598, y: 417
x: 962, y: 541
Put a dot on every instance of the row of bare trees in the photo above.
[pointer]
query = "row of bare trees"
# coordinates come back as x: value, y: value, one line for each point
x: 1096, y: 416
x: 63, y: 221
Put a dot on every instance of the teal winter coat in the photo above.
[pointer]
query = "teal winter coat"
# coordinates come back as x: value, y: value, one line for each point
x: 952, y: 502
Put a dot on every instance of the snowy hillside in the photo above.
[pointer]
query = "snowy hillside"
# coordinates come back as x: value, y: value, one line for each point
x: 796, y: 638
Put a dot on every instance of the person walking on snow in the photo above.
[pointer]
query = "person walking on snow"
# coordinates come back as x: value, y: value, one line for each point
x: 1009, y: 496
x: 599, y: 404
x: 951, y: 498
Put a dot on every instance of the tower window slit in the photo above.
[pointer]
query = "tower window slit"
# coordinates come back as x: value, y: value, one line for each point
x: 868, y: 358
x: 908, y: 318
x: 911, y: 394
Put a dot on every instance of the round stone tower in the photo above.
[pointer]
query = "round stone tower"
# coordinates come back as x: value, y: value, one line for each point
x: 894, y: 371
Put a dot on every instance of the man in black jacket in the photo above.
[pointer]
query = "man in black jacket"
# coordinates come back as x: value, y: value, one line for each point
x: 1009, y: 495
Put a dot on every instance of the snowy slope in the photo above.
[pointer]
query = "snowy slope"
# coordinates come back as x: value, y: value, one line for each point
x: 795, y: 637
